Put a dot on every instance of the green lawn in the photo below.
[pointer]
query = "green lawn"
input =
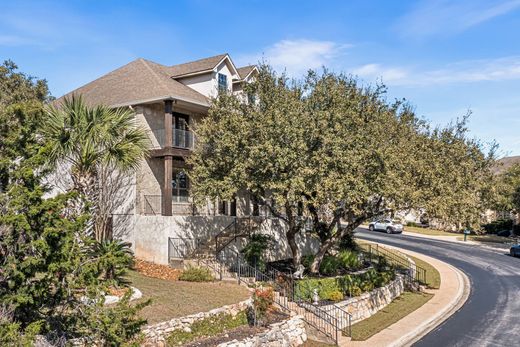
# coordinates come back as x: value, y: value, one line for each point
x: 488, y: 238
x: 397, y: 309
x: 172, y: 299
x: 428, y: 231
x: 433, y: 277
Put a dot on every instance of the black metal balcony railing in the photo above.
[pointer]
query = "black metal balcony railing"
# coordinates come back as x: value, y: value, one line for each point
x: 180, y: 139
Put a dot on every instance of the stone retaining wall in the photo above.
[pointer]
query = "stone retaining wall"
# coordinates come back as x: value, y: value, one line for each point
x: 156, y: 334
x: 287, y: 333
x: 367, y: 304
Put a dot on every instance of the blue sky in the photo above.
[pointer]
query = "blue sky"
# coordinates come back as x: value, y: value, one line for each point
x: 445, y: 57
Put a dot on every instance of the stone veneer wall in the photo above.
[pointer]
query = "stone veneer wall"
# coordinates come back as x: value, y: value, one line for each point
x: 367, y: 304
x: 287, y: 333
x: 156, y: 334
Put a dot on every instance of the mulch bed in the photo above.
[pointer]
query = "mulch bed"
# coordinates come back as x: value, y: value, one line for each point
x: 239, y: 333
x: 150, y: 269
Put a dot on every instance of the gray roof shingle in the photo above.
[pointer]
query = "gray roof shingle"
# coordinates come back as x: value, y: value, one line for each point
x: 195, y: 66
x: 136, y: 82
x: 245, y: 70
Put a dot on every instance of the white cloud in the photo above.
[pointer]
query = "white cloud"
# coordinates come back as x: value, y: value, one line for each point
x: 431, y: 17
x: 297, y: 56
x: 500, y: 69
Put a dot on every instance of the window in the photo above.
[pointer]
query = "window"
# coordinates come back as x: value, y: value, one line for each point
x: 180, y: 186
x: 222, y: 83
x: 251, y: 98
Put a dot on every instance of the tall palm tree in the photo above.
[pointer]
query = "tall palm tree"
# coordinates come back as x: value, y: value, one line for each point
x: 98, y: 146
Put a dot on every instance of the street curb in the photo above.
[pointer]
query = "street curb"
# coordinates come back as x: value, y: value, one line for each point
x: 425, y: 327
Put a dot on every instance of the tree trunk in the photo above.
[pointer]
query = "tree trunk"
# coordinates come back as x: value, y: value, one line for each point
x: 295, y: 251
x: 332, y: 241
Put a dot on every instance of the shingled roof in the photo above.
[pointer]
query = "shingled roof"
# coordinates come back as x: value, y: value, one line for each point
x: 196, y: 66
x: 245, y: 70
x: 137, y: 82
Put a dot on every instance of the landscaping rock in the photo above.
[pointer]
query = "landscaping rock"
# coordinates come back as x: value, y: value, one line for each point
x: 290, y: 333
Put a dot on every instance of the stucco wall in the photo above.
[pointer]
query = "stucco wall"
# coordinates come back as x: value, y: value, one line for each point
x: 207, y: 84
x: 149, y: 234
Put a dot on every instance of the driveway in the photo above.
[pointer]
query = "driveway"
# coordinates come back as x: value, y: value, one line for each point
x: 491, y: 315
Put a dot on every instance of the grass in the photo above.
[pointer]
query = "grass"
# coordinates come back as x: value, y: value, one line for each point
x: 428, y: 231
x: 433, y: 277
x: 488, y: 238
x: 397, y: 309
x: 172, y: 299
x: 210, y: 326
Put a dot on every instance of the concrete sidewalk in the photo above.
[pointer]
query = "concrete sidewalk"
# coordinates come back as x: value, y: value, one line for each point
x: 452, y: 294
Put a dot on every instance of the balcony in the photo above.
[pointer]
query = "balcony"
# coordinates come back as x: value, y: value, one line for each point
x: 183, y: 141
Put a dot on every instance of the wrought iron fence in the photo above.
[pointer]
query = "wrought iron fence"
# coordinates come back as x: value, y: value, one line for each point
x: 412, y: 272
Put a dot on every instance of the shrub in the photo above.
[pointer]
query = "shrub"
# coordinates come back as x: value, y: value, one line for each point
x: 349, y: 260
x: 114, y: 257
x: 336, y: 295
x: 255, y: 249
x: 263, y: 300
x: 498, y: 225
x: 411, y: 224
x: 329, y: 265
x: 197, y: 274
x: 326, y: 288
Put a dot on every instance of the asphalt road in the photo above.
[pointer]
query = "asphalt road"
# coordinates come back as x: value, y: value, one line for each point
x: 491, y: 315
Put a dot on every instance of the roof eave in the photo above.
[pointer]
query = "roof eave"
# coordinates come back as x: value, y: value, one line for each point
x: 162, y: 98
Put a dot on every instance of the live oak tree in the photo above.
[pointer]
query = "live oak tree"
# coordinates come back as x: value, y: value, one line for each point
x: 507, y: 197
x: 338, y: 153
x: 258, y: 148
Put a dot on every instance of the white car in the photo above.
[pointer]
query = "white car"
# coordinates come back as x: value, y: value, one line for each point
x: 388, y: 225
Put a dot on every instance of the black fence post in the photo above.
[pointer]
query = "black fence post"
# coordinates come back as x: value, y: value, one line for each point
x: 238, y: 270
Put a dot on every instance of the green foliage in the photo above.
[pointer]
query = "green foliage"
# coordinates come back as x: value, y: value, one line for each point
x: 207, y: 327
x: 113, y: 258
x: 117, y: 325
x: 49, y: 282
x: 347, y: 242
x: 102, y: 146
x: 330, y: 265
x: 349, y: 260
x: 327, y: 288
x: 507, y: 190
x: 335, y: 295
x: 498, y: 225
x: 341, y: 151
x: 197, y: 274
x: 255, y: 249
x: 351, y: 285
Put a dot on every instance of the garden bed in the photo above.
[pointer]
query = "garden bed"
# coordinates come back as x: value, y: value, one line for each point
x: 217, y: 330
x: 150, y: 269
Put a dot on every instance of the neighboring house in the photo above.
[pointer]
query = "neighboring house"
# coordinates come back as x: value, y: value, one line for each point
x: 169, y: 101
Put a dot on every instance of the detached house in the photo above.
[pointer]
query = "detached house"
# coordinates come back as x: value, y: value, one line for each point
x: 169, y: 101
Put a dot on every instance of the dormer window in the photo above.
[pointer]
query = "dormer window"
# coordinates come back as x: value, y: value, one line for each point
x: 222, y: 83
